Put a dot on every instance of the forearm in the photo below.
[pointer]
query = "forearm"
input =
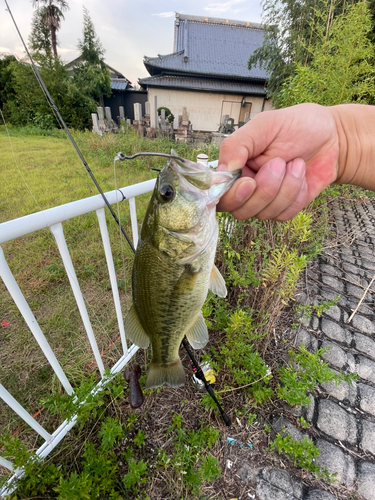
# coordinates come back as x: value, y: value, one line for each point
x: 355, y: 125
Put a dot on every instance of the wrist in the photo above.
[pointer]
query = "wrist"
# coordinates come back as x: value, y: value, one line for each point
x: 355, y: 126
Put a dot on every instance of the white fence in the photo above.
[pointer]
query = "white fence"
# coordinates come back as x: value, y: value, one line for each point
x: 53, y: 218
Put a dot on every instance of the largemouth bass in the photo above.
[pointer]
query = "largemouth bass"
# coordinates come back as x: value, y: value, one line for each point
x: 174, y: 266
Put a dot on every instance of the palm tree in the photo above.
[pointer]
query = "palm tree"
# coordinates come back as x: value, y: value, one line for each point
x: 51, y: 12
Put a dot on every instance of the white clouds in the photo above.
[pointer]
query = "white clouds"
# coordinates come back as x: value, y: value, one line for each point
x: 165, y: 14
x: 222, y: 7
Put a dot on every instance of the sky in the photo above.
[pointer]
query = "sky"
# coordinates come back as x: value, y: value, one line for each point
x: 128, y: 30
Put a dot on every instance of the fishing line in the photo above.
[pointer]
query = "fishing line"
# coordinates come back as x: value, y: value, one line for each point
x: 63, y: 124
x: 118, y: 215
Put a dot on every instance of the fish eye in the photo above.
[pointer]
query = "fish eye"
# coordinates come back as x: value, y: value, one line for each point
x: 167, y: 192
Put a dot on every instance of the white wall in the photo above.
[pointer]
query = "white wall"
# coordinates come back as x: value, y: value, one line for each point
x: 204, y: 108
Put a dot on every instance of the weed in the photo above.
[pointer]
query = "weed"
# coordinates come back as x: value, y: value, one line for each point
x: 135, y: 476
x: 304, y: 371
x: 191, y: 460
x: 318, y: 309
x: 303, y: 454
x: 303, y: 422
x: 251, y: 418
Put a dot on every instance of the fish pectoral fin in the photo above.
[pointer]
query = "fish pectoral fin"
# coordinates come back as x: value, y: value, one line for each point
x: 134, y: 330
x: 198, y: 333
x: 217, y: 283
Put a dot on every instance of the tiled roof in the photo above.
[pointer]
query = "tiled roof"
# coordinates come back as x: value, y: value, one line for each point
x: 119, y: 83
x: 196, y: 83
x: 211, y: 46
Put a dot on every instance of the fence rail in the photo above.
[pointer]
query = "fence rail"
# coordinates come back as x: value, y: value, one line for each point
x: 54, y: 218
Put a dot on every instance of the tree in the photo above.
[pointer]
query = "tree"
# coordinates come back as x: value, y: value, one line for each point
x: 24, y: 102
x: 40, y: 38
x: 289, y: 32
x: 51, y: 15
x: 90, y: 72
x: 6, y: 80
x: 341, y: 67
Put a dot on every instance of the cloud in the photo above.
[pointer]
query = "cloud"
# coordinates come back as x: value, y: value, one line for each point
x: 222, y: 7
x: 165, y: 14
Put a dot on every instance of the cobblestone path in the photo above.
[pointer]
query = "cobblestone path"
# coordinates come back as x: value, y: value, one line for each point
x: 343, y: 416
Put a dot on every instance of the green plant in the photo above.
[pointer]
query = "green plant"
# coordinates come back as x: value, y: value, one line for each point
x: 318, y: 309
x: 75, y: 488
x: 303, y: 453
x: 341, y: 62
x: 110, y: 432
x: 251, y: 418
x: 191, y: 460
x: 303, y: 372
x: 168, y: 114
x: 140, y: 438
x: 135, y: 476
x: 303, y: 422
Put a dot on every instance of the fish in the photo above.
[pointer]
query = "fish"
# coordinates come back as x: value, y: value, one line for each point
x: 174, y: 267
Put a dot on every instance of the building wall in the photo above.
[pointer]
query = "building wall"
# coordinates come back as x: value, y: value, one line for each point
x: 204, y: 109
x: 125, y: 98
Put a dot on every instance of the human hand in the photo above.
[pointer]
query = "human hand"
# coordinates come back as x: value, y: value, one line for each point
x: 287, y: 157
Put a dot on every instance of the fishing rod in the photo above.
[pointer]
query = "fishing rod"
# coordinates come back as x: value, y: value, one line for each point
x: 63, y: 124
x: 198, y: 372
x: 120, y: 156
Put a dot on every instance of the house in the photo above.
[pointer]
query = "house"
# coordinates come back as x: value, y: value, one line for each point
x: 123, y: 93
x: 207, y: 72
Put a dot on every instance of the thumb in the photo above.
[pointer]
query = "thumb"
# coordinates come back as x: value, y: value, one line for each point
x: 248, y: 141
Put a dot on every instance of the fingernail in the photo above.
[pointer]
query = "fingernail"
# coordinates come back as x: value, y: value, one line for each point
x: 277, y: 167
x: 245, y: 189
x: 298, y: 168
x: 235, y: 165
x: 222, y: 168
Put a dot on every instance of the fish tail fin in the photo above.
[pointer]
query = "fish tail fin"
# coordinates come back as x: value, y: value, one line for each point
x: 171, y: 374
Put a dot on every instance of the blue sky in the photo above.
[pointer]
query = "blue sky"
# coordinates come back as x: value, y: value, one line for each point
x: 127, y: 29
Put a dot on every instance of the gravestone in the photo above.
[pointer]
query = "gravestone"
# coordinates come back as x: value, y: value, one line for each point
x: 184, y: 132
x: 95, y: 124
x: 102, y: 125
x: 151, y: 131
x: 108, y: 113
x: 121, y: 110
x: 100, y: 112
x: 146, y: 119
x: 163, y: 123
x: 137, y: 122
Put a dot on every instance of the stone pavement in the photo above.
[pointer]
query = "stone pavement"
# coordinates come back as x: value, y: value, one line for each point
x: 343, y: 416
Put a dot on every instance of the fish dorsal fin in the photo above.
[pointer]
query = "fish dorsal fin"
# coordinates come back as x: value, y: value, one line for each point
x: 217, y: 283
x: 134, y: 330
x: 198, y: 333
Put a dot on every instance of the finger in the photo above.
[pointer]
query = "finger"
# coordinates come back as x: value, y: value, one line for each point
x: 238, y: 194
x: 269, y: 180
x: 299, y: 203
x: 249, y: 141
x: 288, y: 192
